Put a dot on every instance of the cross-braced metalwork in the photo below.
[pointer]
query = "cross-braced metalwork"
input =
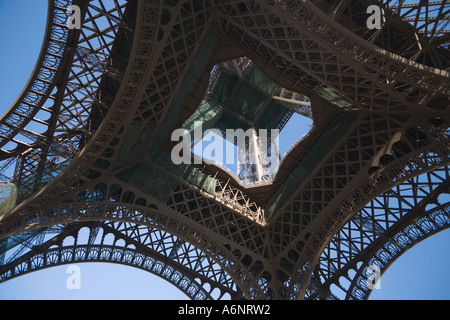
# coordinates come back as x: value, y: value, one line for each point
x: 86, y: 169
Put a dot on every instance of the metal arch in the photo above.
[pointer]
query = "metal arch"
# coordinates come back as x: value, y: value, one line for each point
x: 187, y: 257
x: 113, y: 121
x: 300, y: 247
x: 131, y: 93
x: 163, y: 219
x: 63, y: 47
x: 377, y: 226
x: 180, y: 281
x: 74, y: 97
x: 315, y: 241
x: 41, y: 82
x: 155, y: 258
x: 433, y: 222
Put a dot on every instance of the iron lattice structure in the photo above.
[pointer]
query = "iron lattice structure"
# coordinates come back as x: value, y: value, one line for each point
x: 83, y: 158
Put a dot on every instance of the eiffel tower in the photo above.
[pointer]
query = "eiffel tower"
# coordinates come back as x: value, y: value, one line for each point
x: 86, y: 167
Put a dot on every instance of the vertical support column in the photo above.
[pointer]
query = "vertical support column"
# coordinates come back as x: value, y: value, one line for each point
x: 255, y: 156
x: 249, y: 168
x: 254, y: 162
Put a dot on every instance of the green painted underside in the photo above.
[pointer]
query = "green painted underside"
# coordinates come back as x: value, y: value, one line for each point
x: 158, y: 176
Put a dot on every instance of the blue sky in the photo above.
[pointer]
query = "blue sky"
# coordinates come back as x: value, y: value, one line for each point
x: 421, y: 273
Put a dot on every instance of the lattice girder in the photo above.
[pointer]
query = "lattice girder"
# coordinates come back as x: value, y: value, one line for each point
x: 388, y: 219
x: 309, y: 46
x: 179, y: 263
x: 393, y: 125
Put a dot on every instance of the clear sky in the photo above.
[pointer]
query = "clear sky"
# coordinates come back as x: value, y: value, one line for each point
x: 421, y: 273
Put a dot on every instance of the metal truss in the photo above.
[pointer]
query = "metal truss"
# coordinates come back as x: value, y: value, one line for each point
x: 381, y: 231
x: 372, y: 192
x: 152, y: 250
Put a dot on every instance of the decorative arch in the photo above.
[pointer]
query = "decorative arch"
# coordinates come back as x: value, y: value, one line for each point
x: 161, y: 219
x: 435, y: 221
x: 380, y: 232
x: 168, y: 257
